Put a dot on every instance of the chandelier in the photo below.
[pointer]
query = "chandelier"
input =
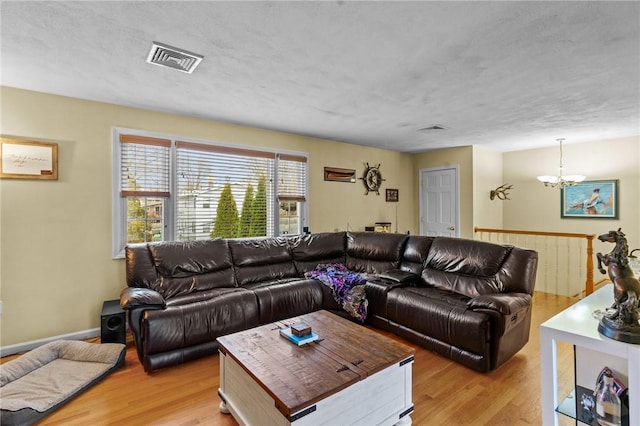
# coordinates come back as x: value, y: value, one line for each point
x: 561, y: 180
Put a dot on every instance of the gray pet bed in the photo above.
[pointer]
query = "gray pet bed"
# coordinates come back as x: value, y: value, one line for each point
x: 43, y: 379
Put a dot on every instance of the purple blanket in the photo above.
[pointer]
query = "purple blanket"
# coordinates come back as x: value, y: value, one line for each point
x: 347, y: 287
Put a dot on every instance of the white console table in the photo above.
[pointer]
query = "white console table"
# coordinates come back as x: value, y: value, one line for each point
x: 576, y: 325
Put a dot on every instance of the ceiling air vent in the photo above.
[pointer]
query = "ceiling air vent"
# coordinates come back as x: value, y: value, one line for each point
x: 432, y: 128
x: 171, y: 57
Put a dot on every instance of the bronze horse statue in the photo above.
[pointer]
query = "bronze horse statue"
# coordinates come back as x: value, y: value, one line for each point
x: 626, y: 288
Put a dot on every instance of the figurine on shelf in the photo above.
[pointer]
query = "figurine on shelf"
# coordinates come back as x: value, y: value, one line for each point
x: 608, y: 405
x: 623, y: 323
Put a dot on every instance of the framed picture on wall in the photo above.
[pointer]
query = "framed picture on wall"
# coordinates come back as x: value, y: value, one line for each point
x: 23, y: 159
x: 391, y: 195
x: 590, y: 199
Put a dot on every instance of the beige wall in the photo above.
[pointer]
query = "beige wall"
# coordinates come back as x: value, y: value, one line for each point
x: 487, y: 175
x: 55, y: 239
x: 337, y: 205
x: 536, y: 207
x: 463, y: 158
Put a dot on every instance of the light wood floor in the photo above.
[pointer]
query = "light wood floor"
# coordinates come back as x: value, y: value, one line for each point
x: 444, y: 393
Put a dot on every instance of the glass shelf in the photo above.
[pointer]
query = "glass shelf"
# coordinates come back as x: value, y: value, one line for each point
x: 569, y: 405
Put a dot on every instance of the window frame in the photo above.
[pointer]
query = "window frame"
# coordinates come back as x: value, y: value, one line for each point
x: 119, y: 203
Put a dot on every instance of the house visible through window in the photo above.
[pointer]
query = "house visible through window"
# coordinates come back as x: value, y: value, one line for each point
x: 292, y: 189
x: 171, y: 189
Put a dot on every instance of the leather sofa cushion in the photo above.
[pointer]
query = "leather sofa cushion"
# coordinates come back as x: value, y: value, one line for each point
x: 171, y: 287
x: 415, y: 253
x: 281, y: 300
x: 186, y: 258
x: 174, y: 268
x: 140, y: 270
x: 467, y: 257
x: 182, y: 325
x: 374, y: 252
x: 442, y: 315
x: 262, y: 259
x: 311, y: 250
x: 465, y: 266
x: 518, y: 274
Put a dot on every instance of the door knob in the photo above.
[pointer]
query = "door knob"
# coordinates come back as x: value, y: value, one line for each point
x: 451, y: 228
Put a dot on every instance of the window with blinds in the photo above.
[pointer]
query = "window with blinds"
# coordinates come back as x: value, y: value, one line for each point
x: 180, y: 190
x: 223, y: 192
x: 292, y: 192
x: 144, y: 185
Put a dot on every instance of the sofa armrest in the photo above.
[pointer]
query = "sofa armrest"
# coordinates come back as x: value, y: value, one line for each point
x: 509, y: 309
x: 502, y: 304
x: 511, y: 322
x: 136, y: 297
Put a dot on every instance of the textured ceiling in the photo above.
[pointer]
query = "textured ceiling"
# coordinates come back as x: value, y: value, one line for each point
x: 509, y: 75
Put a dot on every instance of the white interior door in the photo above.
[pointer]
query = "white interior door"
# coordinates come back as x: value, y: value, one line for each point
x: 439, y: 202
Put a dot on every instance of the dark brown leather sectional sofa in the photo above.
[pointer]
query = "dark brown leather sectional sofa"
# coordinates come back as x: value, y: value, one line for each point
x: 467, y: 300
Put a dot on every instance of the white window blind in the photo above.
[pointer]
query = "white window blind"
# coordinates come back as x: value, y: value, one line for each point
x: 144, y: 166
x: 292, y: 178
x: 223, y: 192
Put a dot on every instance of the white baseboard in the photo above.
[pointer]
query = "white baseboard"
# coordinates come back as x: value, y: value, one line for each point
x: 27, y: 346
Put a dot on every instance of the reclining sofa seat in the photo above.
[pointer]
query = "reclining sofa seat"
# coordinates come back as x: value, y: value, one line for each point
x: 464, y: 299
x: 472, y: 302
x: 180, y: 297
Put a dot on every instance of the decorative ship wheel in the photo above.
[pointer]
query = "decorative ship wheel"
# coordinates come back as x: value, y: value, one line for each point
x: 372, y: 179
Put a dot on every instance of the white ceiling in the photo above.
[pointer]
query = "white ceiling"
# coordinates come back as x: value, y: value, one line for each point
x: 509, y: 75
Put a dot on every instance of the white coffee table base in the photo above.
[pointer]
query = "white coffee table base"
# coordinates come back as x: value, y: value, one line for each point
x: 383, y: 398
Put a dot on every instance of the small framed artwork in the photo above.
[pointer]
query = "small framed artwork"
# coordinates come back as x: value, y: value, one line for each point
x: 391, y: 195
x: 335, y: 174
x: 23, y: 159
x: 590, y: 199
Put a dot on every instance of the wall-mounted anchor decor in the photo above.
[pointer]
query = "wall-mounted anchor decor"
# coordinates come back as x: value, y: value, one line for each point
x: 501, y: 192
x: 372, y: 178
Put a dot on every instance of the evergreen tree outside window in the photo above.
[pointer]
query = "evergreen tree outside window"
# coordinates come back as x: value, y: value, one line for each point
x: 258, y: 226
x: 247, y: 212
x: 226, y: 221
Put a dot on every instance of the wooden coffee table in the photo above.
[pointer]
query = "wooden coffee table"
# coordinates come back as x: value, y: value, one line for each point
x: 352, y: 375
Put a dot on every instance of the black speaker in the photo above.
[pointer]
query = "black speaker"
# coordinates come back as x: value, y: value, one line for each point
x: 112, y: 323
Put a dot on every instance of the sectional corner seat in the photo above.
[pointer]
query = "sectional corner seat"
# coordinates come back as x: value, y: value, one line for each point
x: 466, y: 300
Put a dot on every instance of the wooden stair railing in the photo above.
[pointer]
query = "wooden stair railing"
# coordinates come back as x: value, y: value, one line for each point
x: 589, y: 284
